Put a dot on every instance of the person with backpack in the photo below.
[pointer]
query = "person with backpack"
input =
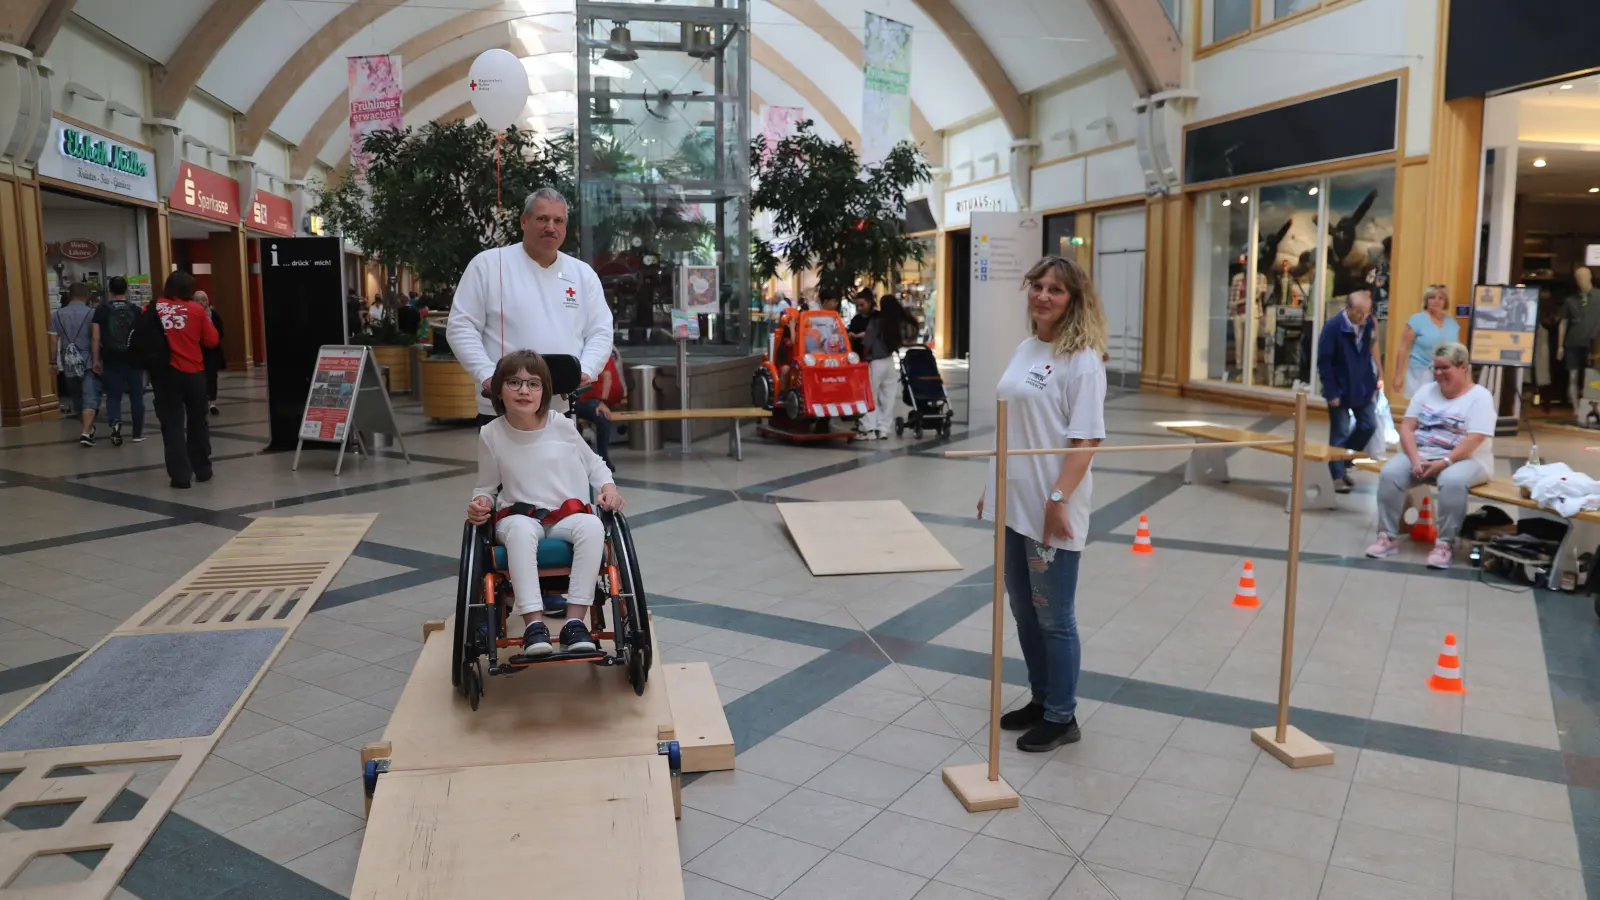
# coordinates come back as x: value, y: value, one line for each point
x: 114, y: 373
x: 72, y: 351
x: 214, y: 358
x: 169, y: 341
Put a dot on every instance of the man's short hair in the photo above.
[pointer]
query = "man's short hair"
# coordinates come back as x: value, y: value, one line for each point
x: 119, y: 285
x: 544, y: 193
x: 78, y: 290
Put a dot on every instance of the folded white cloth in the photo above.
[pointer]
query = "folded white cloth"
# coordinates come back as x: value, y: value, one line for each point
x: 1557, y: 487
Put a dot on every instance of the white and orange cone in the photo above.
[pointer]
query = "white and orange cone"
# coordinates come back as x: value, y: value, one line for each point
x: 1423, y: 529
x: 1246, y: 595
x: 1447, y: 674
x: 1141, y: 538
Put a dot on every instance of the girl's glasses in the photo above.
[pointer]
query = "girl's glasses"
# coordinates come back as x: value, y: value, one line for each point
x: 523, y: 384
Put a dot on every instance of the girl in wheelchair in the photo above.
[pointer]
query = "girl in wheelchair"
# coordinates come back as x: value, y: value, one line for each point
x: 532, y: 468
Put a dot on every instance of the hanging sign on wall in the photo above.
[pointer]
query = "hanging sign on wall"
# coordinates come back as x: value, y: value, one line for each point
x: 94, y: 160
x: 80, y: 249
x: 202, y: 192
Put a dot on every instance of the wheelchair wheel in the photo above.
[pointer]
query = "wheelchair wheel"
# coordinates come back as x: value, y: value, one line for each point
x: 467, y: 586
x: 471, y: 676
x: 633, y: 615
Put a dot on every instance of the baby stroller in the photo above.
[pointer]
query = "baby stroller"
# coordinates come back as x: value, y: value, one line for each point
x: 923, y: 390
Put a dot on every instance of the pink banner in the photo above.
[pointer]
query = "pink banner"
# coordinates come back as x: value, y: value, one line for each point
x: 780, y: 124
x: 375, y: 97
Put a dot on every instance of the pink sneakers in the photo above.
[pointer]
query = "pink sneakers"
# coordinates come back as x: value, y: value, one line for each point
x: 1440, y: 556
x: 1384, y: 546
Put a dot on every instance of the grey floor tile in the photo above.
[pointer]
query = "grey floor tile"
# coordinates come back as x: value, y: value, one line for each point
x: 271, y: 748
x: 1214, y: 739
x: 1137, y: 724
x: 841, y: 877
x: 734, y: 795
x: 1286, y: 831
x: 365, y: 681
x: 1149, y: 850
x: 699, y: 887
x: 908, y: 748
x: 1044, y: 826
x: 1390, y: 854
x: 1092, y: 789
x: 786, y: 760
x: 213, y: 773
x: 1250, y: 874
x: 320, y: 668
x: 332, y: 866
x: 239, y: 803
x: 699, y: 830
x: 1111, y: 753
x: 816, y: 818
x: 781, y: 861
x: 833, y: 730
x: 350, y: 796
x: 344, y: 722
x: 938, y: 890
x: 1535, y: 732
x: 1490, y: 876
x: 1295, y: 789
x: 1379, y: 807
x: 876, y: 704
x: 1003, y: 869
x: 907, y: 843
x: 865, y: 780
x: 931, y: 799
x: 948, y: 719
x: 295, y: 831
x: 300, y: 703
x: 1405, y: 773
x: 1512, y: 793
x: 1510, y: 834
x: 318, y: 771
x: 1198, y: 771
x: 247, y: 725
x: 1099, y: 882
x: 1348, y: 884
x: 1178, y: 808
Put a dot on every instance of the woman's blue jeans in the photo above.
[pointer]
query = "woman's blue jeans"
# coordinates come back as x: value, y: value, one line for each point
x: 1043, y: 584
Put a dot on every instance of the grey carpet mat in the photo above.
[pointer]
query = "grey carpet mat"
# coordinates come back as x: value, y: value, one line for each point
x: 144, y: 687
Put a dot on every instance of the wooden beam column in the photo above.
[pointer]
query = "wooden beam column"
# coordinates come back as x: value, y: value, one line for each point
x: 230, y: 294
x: 1162, y: 364
x: 159, y: 234
x: 27, y: 386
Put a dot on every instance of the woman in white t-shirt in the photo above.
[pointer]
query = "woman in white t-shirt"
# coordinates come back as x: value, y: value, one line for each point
x: 1055, y: 387
x: 1448, y: 438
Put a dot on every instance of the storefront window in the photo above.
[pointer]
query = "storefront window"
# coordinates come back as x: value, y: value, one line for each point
x: 1361, y: 229
x: 919, y: 288
x: 1058, y: 234
x: 1221, y: 262
x: 1287, y: 229
x: 1280, y: 9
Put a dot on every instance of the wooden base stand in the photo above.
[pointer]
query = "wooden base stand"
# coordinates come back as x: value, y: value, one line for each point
x: 977, y: 793
x: 1298, y: 751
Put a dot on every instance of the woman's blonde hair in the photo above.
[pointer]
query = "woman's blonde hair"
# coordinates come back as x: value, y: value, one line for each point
x: 1435, y: 290
x: 1083, y: 324
x: 1453, y: 353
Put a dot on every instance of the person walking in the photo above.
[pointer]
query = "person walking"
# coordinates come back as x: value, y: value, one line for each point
x: 180, y: 385
x: 866, y: 308
x: 530, y: 296
x: 213, y: 357
x: 1348, y: 364
x: 114, y: 372
x: 1426, y: 330
x: 72, y: 350
x: 885, y: 334
x: 1055, y: 388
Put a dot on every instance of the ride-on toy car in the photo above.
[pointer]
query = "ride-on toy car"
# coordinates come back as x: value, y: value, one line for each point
x: 484, y: 591
x: 810, y: 376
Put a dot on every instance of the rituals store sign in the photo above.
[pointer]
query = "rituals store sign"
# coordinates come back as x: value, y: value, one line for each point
x: 87, y: 158
x: 202, y: 192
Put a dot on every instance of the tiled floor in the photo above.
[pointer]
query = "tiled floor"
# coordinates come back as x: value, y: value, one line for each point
x: 848, y: 695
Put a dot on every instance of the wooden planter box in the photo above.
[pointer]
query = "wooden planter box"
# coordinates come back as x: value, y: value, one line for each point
x: 448, y: 392
x: 398, y: 359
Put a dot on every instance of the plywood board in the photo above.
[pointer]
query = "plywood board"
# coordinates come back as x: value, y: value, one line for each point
x: 589, y: 829
x: 544, y: 713
x: 701, y: 726
x: 864, y: 537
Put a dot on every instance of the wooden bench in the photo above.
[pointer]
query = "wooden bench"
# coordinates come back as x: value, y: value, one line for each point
x: 735, y: 442
x: 1211, y: 466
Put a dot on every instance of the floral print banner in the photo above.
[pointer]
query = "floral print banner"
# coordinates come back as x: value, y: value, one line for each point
x: 375, y: 96
x: 886, y: 95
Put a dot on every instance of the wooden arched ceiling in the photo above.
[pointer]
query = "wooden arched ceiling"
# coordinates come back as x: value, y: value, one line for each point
x: 171, y: 84
x: 975, y: 51
x: 32, y: 23
x: 820, y: 102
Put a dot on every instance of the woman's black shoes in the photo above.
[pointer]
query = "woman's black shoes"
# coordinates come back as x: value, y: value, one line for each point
x: 1024, y: 718
x: 1047, y: 736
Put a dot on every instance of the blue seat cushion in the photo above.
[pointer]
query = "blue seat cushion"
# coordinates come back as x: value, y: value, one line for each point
x: 553, y: 554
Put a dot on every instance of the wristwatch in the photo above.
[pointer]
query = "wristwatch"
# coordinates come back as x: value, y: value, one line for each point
x: 1056, y: 496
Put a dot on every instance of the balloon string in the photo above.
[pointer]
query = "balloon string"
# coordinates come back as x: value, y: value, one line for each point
x: 497, y: 214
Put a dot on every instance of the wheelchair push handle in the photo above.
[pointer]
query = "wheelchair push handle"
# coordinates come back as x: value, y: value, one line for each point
x: 566, y: 376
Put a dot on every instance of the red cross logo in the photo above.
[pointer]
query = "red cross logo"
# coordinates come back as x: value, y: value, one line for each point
x: 472, y: 85
x: 571, y: 293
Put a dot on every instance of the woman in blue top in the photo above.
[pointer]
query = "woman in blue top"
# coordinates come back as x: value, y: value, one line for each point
x: 1425, y: 331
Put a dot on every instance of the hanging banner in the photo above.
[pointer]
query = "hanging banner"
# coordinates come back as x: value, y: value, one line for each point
x: 780, y: 124
x: 886, y: 93
x: 375, y: 97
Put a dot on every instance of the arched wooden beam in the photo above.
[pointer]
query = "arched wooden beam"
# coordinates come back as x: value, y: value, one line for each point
x: 51, y: 15
x: 1145, y: 38
x: 171, y: 83
x: 775, y: 62
x: 975, y: 51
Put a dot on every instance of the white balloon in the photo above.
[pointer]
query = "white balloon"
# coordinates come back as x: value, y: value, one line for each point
x: 498, y: 85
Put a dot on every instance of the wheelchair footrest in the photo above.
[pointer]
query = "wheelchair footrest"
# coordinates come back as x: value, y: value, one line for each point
x: 518, y: 660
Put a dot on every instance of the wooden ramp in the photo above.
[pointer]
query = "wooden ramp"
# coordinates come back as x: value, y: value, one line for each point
x: 863, y: 538
x: 558, y: 759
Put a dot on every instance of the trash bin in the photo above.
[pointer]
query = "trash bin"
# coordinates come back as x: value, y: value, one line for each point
x: 643, y: 436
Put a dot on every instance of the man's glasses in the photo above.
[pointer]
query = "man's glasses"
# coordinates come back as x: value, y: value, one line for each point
x: 1443, y: 368
x: 523, y: 384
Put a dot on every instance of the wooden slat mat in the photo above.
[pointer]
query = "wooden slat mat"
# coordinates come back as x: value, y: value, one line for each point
x: 267, y: 577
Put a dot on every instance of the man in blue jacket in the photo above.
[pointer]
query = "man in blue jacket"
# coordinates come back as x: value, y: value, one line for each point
x: 1347, y: 361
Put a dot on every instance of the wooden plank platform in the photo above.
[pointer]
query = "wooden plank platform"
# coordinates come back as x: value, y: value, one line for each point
x: 864, y: 537
x: 1314, y: 451
x: 673, y: 415
x: 596, y: 829
x: 698, y: 721
x: 1208, y: 466
x: 1498, y: 490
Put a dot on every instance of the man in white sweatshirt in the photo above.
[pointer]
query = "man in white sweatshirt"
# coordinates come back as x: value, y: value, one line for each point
x: 530, y: 296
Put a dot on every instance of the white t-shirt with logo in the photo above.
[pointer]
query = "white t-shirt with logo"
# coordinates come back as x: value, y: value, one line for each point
x: 1442, y: 423
x: 1052, y: 401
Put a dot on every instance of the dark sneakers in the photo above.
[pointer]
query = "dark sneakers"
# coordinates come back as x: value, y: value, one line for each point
x: 1020, y: 719
x: 555, y: 605
x: 575, y: 638
x: 536, y: 640
x: 1047, y: 736
x: 116, y: 434
x: 87, y: 438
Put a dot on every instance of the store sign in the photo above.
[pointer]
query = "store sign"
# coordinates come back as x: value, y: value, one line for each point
x: 94, y: 160
x: 269, y: 212
x: 202, y: 192
x: 78, y: 248
x: 989, y: 196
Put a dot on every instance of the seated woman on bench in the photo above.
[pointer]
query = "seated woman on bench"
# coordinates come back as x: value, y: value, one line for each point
x: 533, y: 471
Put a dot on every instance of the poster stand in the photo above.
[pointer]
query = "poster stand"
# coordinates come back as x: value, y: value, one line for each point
x: 1505, y: 323
x: 697, y: 293
x: 346, y: 375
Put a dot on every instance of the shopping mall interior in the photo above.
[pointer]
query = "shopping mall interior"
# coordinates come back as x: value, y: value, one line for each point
x: 250, y: 648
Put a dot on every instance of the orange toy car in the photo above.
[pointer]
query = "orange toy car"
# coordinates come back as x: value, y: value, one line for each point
x: 810, y: 372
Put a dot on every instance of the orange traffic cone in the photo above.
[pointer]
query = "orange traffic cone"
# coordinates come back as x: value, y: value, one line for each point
x: 1246, y: 595
x: 1447, y: 674
x: 1423, y: 530
x: 1141, y: 538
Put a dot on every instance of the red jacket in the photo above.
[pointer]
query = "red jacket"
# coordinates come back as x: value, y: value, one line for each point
x: 189, y: 330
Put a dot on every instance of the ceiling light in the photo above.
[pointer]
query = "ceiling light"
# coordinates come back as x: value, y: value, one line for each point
x: 1245, y: 198
x: 1539, y: 163
x: 1594, y: 190
x: 1226, y: 202
x: 1313, y: 191
x: 1566, y: 87
x: 620, y: 47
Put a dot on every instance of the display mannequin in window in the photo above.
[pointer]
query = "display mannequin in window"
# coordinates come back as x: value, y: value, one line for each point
x: 1582, y: 315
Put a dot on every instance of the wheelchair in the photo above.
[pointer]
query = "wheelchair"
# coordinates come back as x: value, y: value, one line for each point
x: 484, y: 594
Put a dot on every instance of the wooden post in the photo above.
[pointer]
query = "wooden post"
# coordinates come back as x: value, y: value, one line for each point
x: 980, y: 788
x: 1292, y: 746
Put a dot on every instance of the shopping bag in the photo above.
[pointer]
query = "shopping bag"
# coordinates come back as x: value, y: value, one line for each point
x: 1385, y: 434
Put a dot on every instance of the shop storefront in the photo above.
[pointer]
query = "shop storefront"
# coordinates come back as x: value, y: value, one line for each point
x: 269, y: 216
x: 97, y: 195
x: 208, y: 240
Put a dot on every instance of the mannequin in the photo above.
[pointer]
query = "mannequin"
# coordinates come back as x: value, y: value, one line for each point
x: 1581, y: 313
